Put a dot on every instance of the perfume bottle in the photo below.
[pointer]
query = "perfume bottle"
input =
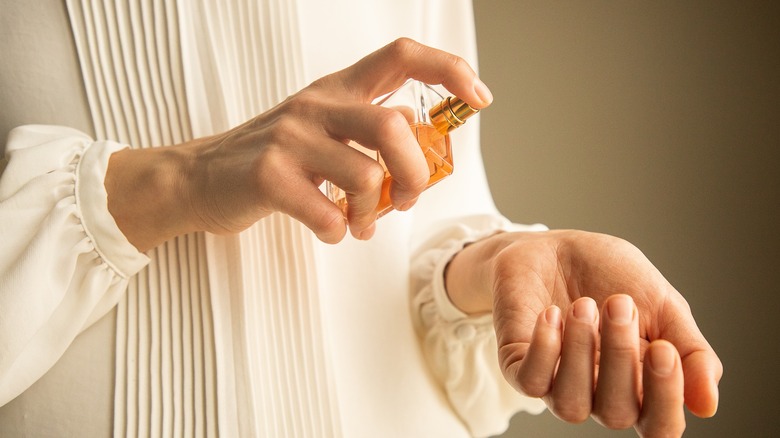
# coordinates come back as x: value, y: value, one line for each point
x: 431, y: 117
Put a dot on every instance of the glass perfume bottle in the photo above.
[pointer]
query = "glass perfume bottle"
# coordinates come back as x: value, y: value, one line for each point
x: 431, y: 118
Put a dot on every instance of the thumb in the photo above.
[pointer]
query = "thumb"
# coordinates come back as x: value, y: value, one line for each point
x: 702, y: 369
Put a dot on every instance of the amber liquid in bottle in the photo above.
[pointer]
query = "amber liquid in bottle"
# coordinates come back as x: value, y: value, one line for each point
x: 431, y: 129
x: 438, y: 154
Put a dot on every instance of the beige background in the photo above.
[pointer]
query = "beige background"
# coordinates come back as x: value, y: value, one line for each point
x: 658, y: 122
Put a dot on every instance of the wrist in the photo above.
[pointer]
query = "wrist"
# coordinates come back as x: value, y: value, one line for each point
x: 468, y: 276
x: 147, y: 196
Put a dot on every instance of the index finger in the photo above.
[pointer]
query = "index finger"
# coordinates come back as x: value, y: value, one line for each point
x: 387, y: 68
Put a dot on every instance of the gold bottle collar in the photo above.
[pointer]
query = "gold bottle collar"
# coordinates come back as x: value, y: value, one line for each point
x: 451, y: 113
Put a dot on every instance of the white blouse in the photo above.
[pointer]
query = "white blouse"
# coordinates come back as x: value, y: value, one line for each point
x: 270, y: 332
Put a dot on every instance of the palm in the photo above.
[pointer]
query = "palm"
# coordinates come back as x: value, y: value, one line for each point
x: 589, y: 265
x: 534, y: 272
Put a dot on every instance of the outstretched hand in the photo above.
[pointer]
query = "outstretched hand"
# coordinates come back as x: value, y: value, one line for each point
x: 587, y: 323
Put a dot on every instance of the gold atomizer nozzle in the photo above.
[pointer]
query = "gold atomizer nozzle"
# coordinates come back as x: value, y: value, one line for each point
x: 450, y: 113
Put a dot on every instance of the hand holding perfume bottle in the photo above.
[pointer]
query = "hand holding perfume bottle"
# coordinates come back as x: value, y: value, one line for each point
x: 277, y: 161
x: 431, y: 117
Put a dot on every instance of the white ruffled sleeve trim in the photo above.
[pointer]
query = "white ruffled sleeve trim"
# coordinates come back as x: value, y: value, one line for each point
x: 461, y: 350
x: 92, y: 201
x: 64, y: 263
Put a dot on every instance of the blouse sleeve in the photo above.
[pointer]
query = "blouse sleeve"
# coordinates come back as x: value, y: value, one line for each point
x: 460, y: 349
x: 64, y: 262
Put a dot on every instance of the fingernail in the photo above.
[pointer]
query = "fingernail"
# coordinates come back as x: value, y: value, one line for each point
x: 553, y: 316
x: 367, y: 233
x: 585, y: 310
x: 482, y: 91
x: 715, y: 398
x: 407, y: 205
x: 662, y: 359
x: 620, y: 309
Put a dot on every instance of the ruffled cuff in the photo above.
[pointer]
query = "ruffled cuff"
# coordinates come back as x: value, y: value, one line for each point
x: 64, y: 262
x: 99, y: 224
x: 34, y: 150
x: 461, y: 349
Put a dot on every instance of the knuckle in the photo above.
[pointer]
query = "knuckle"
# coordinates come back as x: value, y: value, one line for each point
x: 369, y: 177
x: 510, y: 356
x: 403, y: 47
x: 283, y: 131
x: 534, y: 385
x: 579, y: 345
x: 571, y: 410
x: 302, y: 105
x: 530, y: 390
x: 617, y: 351
x: 458, y: 63
x: 269, y: 165
x: 329, y: 226
x: 511, y: 359
x: 392, y: 126
x: 620, y: 349
x: 455, y: 67
x: 661, y: 428
x: 617, y: 419
x: 306, y: 99
x: 419, y: 181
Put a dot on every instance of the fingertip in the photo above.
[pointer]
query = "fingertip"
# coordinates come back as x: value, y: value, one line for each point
x: 585, y: 309
x: 331, y: 238
x: 334, y: 229
x: 308, y: 205
x: 483, y: 92
x: 662, y: 357
x: 703, y: 371
x: 553, y: 316
x: 711, y: 408
x: 704, y: 405
x: 620, y: 309
x: 535, y: 375
x: 361, y: 225
x: 408, y: 204
x: 715, y: 397
x: 366, y: 233
x: 404, y: 199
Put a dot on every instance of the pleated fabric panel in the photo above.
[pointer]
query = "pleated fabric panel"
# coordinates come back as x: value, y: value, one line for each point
x: 248, y: 52
x: 165, y: 360
x: 218, y: 336
x: 244, y: 58
x: 281, y: 379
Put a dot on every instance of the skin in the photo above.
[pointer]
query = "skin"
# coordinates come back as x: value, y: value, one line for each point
x: 587, y: 323
x: 276, y: 161
x: 564, y: 333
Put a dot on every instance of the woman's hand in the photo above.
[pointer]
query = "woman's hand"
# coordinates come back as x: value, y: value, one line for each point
x: 277, y: 161
x: 586, y: 322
